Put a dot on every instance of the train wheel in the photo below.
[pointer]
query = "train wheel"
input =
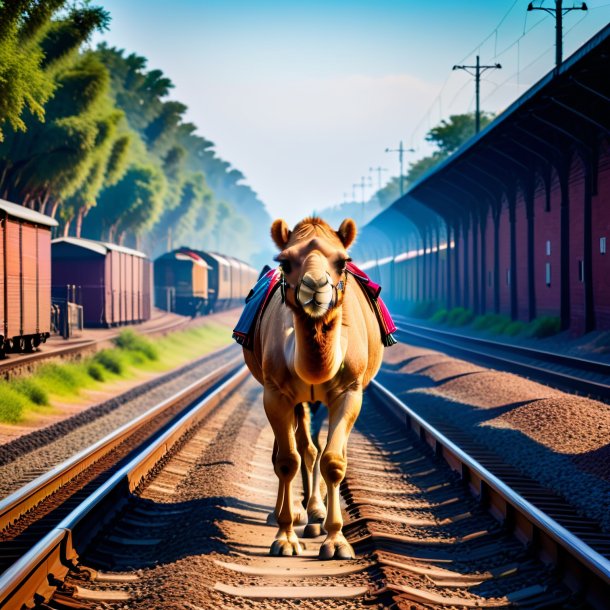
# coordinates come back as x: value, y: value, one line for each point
x: 28, y: 345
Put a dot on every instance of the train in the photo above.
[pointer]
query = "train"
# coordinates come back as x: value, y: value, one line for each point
x: 195, y: 282
x: 44, y: 281
x: 112, y: 283
x: 25, y: 277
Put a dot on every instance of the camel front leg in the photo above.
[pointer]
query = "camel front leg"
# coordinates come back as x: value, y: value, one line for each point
x: 310, y: 470
x: 342, y: 417
x: 280, y: 414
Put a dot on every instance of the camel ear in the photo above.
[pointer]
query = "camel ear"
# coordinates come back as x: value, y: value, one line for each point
x: 347, y: 232
x: 280, y: 233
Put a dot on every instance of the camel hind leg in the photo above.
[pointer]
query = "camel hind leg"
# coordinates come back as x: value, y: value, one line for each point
x: 310, y: 466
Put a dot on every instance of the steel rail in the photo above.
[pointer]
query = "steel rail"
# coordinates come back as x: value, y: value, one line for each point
x: 560, y: 379
x: 36, y: 575
x: 574, y: 362
x: 30, y: 495
x: 452, y: 453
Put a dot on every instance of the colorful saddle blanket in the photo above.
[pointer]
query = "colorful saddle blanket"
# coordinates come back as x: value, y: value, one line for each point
x: 269, y: 282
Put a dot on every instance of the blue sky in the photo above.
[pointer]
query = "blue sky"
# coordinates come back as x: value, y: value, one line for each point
x: 304, y: 97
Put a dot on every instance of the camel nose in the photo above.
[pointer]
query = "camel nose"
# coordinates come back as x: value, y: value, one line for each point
x: 315, y: 294
x: 315, y: 282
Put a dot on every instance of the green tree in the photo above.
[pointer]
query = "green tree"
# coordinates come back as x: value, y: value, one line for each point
x: 31, y: 47
x: 450, y: 134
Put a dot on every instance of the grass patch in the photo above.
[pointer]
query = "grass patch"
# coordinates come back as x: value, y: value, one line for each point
x: 32, y: 390
x: 62, y: 379
x: 493, y: 322
x: 423, y: 309
x: 439, y: 317
x: 112, y: 360
x: 130, y: 341
x: 544, y: 326
x: 514, y: 328
x: 13, y: 404
x: 131, y: 355
x: 459, y: 316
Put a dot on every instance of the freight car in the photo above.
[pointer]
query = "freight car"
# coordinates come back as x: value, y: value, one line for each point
x: 177, y: 274
x: 115, y: 282
x: 25, y: 277
x: 181, y: 283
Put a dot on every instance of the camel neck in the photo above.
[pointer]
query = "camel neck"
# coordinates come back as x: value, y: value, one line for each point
x: 318, y: 354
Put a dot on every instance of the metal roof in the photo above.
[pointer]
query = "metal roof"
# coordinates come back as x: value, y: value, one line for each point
x: 509, y: 112
x: 97, y: 246
x: 19, y: 211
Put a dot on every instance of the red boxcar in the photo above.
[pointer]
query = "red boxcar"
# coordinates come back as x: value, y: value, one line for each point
x: 104, y: 272
x: 25, y: 277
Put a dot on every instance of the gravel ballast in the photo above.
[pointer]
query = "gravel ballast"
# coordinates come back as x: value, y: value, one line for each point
x: 559, y: 439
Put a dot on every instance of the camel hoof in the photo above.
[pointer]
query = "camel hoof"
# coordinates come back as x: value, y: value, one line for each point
x: 337, y: 549
x: 313, y: 530
x: 285, y: 548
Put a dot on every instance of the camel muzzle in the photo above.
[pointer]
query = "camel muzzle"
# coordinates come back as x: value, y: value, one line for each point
x: 316, y: 296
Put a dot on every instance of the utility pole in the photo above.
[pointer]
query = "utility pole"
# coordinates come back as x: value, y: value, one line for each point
x: 379, y: 170
x: 478, y: 70
x: 558, y: 12
x: 362, y: 185
x: 401, y: 150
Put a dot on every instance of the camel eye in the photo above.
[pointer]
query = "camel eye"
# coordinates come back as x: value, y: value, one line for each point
x: 342, y: 264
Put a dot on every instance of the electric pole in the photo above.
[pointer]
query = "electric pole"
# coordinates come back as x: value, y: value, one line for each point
x: 379, y: 170
x: 478, y: 70
x: 401, y: 151
x: 558, y: 12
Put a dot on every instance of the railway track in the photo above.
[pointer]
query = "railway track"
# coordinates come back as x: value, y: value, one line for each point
x: 16, y: 362
x: 29, y: 514
x: 183, y: 524
x: 568, y: 373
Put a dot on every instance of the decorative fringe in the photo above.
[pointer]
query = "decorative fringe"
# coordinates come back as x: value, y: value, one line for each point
x: 389, y: 340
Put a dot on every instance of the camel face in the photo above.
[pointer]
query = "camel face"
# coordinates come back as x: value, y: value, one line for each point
x: 313, y: 259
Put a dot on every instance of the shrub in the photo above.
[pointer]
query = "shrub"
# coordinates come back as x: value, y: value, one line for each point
x: 515, y: 328
x: 132, y: 342
x: 440, y: 317
x: 12, y: 404
x: 459, y: 316
x: 423, y: 309
x: 491, y: 321
x: 31, y: 390
x: 62, y: 379
x: 544, y: 326
x: 96, y: 371
x: 499, y: 327
x: 111, y: 360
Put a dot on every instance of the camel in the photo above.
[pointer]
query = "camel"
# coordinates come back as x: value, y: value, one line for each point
x: 318, y: 340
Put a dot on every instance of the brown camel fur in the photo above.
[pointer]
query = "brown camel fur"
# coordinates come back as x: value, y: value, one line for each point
x: 322, y: 344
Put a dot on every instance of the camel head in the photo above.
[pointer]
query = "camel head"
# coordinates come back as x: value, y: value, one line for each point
x: 313, y: 257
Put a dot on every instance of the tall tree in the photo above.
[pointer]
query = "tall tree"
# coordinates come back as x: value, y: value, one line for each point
x: 31, y: 46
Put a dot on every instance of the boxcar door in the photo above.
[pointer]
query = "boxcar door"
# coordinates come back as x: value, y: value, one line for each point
x: 13, y: 283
